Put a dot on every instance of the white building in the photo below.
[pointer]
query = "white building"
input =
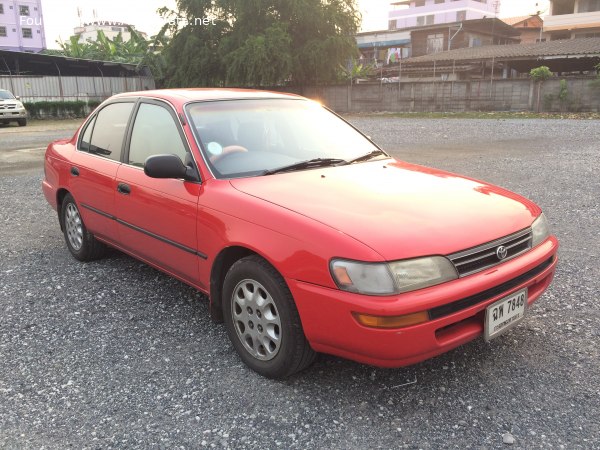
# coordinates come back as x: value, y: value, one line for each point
x: 573, y: 19
x: 89, y: 31
x: 418, y: 13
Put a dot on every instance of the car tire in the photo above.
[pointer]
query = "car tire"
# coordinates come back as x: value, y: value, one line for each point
x: 22, y: 122
x: 81, y: 243
x: 262, y: 321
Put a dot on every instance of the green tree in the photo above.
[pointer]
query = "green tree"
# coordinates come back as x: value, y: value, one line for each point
x: 357, y: 70
x: 539, y: 75
x: 137, y: 50
x: 260, y: 42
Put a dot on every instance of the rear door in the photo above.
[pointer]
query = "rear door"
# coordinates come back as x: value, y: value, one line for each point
x: 94, y: 166
x: 156, y: 218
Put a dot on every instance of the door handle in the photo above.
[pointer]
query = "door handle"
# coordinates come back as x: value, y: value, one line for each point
x: 75, y: 171
x: 124, y: 189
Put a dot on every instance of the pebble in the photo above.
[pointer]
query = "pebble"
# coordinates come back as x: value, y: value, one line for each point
x: 508, y: 438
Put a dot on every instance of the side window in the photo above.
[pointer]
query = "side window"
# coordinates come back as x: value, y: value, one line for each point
x: 154, y: 133
x: 84, y: 144
x: 109, y: 130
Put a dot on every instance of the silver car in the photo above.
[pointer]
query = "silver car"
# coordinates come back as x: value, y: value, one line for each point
x: 11, y: 109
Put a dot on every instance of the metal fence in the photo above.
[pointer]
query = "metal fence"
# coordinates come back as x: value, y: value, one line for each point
x: 54, y: 88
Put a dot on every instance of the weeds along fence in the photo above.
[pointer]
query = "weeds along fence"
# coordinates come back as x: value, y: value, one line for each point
x: 572, y: 95
x: 66, y: 96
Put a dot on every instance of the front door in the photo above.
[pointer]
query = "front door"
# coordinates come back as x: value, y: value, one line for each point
x: 156, y: 218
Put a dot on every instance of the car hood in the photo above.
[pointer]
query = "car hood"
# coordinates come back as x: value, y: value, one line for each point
x: 398, y: 209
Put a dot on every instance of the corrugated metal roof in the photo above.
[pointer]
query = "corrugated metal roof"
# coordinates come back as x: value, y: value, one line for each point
x: 570, y: 48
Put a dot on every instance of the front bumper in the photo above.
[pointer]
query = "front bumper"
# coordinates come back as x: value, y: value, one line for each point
x: 456, y: 310
x: 13, y: 114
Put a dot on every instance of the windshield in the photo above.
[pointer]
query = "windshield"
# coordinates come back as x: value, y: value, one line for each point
x: 5, y: 95
x: 243, y: 138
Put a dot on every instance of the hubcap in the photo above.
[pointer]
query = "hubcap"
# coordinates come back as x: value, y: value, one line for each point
x: 256, y: 320
x: 74, y: 226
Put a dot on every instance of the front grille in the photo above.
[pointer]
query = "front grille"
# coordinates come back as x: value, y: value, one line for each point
x: 8, y: 106
x: 485, y: 256
x: 459, y: 305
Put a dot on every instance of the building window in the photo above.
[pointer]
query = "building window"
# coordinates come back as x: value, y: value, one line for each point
x: 27, y: 33
x: 419, y: 3
x: 392, y: 25
x: 420, y: 21
x: 430, y: 19
x: 435, y: 43
x: 1, y: 8
x: 3, y: 32
x: 474, y: 41
x: 116, y: 29
x: 588, y: 6
x: 437, y: 2
x: 23, y: 10
x: 461, y: 16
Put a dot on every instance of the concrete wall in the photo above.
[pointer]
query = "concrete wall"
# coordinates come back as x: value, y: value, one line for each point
x: 458, y: 96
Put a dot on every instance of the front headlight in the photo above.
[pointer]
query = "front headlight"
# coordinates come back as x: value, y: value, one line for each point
x: 392, y: 278
x: 540, y: 230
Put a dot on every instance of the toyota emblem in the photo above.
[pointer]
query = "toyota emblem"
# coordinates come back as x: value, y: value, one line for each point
x: 501, y: 252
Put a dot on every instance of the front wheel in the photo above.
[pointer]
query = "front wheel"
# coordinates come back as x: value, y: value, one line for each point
x: 262, y: 320
x: 81, y: 243
x: 22, y: 122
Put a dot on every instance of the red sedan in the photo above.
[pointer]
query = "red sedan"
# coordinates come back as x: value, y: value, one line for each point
x: 304, y: 234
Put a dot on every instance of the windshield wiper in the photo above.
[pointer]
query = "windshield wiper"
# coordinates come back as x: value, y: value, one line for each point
x: 368, y: 156
x: 311, y: 163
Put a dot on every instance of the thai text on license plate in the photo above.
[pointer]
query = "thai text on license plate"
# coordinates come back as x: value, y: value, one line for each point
x: 505, y: 314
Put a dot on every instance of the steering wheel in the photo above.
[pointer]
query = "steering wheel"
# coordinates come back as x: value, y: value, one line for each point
x: 229, y: 150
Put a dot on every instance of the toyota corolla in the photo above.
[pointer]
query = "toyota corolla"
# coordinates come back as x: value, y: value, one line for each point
x: 305, y: 235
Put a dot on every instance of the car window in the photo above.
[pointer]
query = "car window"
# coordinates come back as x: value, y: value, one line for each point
x: 109, y: 130
x: 5, y: 95
x: 87, y: 136
x: 248, y: 137
x: 154, y: 133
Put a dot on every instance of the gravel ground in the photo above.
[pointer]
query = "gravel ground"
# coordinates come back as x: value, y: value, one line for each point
x: 114, y: 354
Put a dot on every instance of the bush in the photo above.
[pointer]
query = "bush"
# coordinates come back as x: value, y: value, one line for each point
x: 66, y: 109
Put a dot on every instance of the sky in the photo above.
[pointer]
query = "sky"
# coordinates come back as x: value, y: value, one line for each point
x: 60, y: 16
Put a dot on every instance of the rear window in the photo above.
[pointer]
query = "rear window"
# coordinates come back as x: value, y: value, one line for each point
x: 105, y: 133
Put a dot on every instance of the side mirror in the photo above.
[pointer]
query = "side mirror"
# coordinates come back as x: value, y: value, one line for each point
x: 165, y: 166
x: 18, y: 97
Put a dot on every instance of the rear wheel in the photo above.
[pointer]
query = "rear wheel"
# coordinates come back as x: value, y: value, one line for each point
x: 80, y: 242
x: 262, y: 320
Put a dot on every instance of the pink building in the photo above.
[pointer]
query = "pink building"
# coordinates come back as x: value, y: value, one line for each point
x: 22, y: 26
x: 417, y: 13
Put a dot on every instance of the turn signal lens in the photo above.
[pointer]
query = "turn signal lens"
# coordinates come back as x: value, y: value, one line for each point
x: 391, y: 321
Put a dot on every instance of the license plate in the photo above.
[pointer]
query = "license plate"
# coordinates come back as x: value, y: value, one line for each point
x: 505, y: 314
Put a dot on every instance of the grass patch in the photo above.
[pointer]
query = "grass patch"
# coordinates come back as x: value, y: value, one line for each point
x: 482, y: 115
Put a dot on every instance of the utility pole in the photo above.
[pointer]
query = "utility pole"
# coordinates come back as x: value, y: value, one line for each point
x: 496, y: 11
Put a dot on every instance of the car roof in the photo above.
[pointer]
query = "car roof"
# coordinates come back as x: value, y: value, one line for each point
x: 208, y: 94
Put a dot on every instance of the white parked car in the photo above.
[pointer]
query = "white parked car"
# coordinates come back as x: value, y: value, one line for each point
x: 11, y: 109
